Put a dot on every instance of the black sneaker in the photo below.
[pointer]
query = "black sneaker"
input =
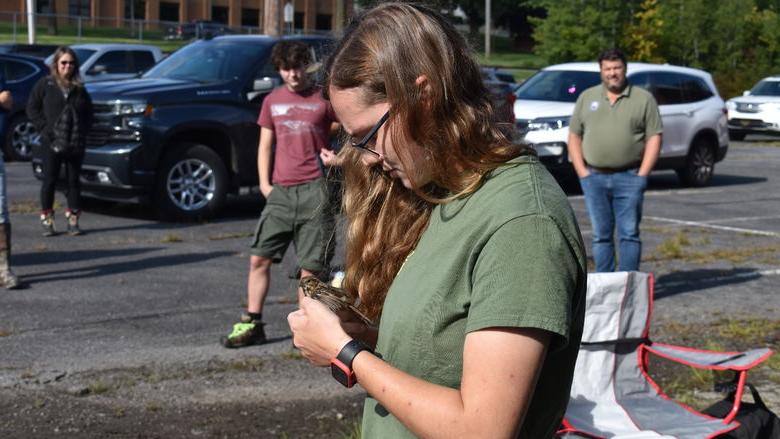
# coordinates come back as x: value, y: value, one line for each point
x: 47, y: 223
x: 245, y: 333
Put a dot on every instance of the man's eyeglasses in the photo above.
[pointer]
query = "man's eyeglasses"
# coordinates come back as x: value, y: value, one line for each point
x: 67, y: 63
x: 364, y: 144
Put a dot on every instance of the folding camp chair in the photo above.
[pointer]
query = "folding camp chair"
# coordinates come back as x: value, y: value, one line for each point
x: 612, y: 395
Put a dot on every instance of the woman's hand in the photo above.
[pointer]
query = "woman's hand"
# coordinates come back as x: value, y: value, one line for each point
x: 317, y: 332
x: 330, y: 158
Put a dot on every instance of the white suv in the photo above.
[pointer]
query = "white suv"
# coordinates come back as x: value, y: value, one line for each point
x: 694, y: 115
x: 757, y: 111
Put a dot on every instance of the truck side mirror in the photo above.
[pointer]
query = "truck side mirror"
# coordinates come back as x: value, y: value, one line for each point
x: 261, y: 86
x: 98, y: 69
x: 746, y: 93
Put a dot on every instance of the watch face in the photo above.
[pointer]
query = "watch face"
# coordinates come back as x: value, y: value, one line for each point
x: 342, y: 373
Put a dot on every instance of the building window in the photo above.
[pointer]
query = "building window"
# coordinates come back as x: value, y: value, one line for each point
x: 250, y: 17
x: 298, y: 20
x: 43, y: 6
x: 78, y: 8
x: 219, y: 14
x: 135, y: 9
x: 169, y: 11
x: 324, y: 22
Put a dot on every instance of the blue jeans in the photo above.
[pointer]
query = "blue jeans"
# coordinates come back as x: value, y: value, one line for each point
x: 615, y: 200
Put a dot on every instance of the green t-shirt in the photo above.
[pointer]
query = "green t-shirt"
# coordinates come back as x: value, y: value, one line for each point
x: 509, y: 255
x: 614, y: 136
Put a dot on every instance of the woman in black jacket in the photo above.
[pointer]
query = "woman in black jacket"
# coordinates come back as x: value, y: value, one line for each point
x: 61, y: 109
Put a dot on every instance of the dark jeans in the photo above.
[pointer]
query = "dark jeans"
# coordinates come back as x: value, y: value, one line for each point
x: 615, y: 201
x: 51, y: 171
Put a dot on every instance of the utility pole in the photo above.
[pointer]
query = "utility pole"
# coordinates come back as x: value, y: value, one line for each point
x: 31, y: 21
x: 487, y: 29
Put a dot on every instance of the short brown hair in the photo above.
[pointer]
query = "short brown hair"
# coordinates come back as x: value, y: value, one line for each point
x: 290, y: 55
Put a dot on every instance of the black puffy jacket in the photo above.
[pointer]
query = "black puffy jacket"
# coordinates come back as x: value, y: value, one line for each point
x: 45, y: 106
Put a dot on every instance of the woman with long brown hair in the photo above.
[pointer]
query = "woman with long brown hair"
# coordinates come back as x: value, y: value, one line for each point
x: 61, y: 109
x: 459, y: 243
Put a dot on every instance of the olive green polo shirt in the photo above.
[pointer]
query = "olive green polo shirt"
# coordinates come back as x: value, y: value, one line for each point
x: 508, y: 255
x: 614, y: 135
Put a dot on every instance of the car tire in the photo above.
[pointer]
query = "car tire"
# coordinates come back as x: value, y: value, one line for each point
x: 192, y: 183
x: 699, y: 165
x: 20, y: 138
x: 736, y: 135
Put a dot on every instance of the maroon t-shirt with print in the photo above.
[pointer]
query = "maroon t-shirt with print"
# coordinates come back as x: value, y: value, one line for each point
x: 301, y: 124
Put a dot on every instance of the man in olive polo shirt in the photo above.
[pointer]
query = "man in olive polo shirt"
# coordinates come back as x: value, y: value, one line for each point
x: 614, y: 143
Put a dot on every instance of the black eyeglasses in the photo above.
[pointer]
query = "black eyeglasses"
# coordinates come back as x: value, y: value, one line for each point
x: 65, y: 63
x: 363, y: 144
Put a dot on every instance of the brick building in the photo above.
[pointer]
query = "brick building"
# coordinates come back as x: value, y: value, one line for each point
x: 264, y: 16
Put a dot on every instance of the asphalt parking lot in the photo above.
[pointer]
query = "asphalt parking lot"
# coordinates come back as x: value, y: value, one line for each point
x: 134, y: 292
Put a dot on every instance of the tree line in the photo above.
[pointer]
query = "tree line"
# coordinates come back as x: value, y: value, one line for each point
x: 737, y: 41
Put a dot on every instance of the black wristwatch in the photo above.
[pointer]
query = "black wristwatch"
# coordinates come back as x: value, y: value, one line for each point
x: 341, y: 366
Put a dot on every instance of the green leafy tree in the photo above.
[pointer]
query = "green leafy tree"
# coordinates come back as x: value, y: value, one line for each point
x: 643, y: 36
x: 577, y: 30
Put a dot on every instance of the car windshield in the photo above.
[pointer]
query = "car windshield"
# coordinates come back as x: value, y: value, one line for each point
x: 766, y: 88
x: 557, y: 85
x: 83, y: 54
x: 208, y: 61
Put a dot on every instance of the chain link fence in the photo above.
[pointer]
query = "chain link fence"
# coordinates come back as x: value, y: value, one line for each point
x: 64, y: 29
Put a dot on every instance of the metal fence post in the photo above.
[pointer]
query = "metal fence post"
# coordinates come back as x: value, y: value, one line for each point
x: 78, y: 26
x: 141, y: 30
x: 14, y: 32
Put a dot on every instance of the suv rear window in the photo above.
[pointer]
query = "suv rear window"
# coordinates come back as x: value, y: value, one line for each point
x: 557, y: 85
x: 670, y: 88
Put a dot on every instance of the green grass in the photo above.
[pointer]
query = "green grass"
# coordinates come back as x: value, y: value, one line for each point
x: 69, y: 34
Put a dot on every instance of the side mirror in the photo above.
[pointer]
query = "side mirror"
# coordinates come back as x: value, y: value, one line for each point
x: 746, y: 93
x: 98, y: 69
x: 261, y: 87
x: 264, y: 84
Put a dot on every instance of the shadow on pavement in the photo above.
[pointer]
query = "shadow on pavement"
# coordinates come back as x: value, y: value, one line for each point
x: 236, y: 207
x: 117, y: 267
x: 694, y: 280
x: 55, y: 257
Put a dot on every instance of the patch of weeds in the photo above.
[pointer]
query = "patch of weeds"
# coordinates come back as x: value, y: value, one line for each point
x: 24, y: 207
x: 152, y: 407
x: 229, y: 236
x: 705, y: 240
x: 39, y: 403
x: 352, y: 431
x: 5, y: 333
x: 98, y: 388
x: 251, y: 364
x: 673, y: 248
x: 171, y: 238
x: 293, y: 355
x: 119, y: 412
x: 26, y: 375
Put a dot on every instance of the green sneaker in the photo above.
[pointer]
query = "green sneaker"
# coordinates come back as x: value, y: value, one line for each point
x: 245, y: 333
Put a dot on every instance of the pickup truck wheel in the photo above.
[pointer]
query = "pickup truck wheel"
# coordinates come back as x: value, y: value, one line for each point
x: 20, y: 137
x: 192, y: 183
x: 700, y: 164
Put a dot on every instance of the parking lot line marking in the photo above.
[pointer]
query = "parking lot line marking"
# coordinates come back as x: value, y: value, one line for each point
x: 713, y: 226
x: 660, y: 286
x: 742, y: 218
